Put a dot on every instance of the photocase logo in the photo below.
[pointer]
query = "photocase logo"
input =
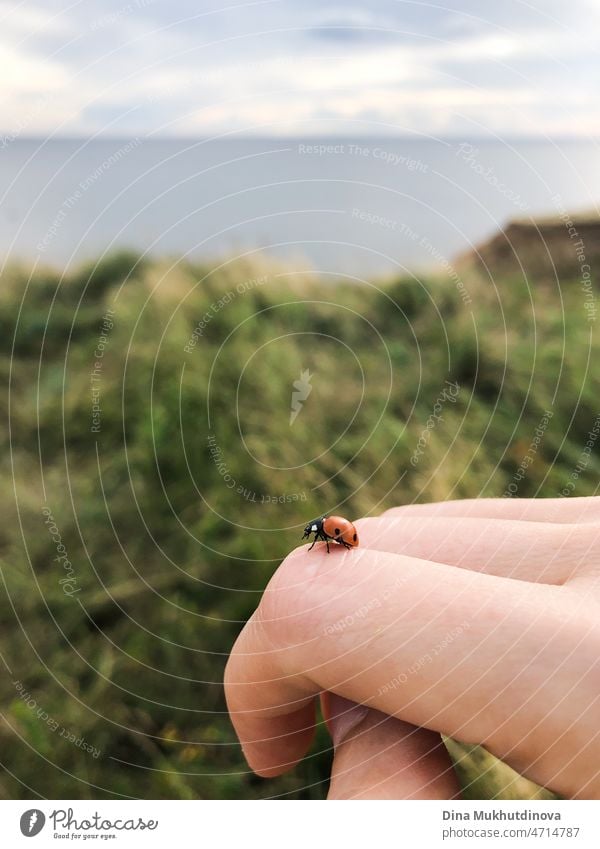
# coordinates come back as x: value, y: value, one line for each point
x: 32, y: 822
x: 302, y: 389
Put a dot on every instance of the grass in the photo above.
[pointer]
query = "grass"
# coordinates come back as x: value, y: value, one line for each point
x: 167, y: 556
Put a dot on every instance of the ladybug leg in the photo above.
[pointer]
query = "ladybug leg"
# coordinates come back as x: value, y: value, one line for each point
x: 323, y: 538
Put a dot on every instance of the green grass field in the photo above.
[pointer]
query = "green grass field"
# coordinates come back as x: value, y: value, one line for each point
x: 173, y: 485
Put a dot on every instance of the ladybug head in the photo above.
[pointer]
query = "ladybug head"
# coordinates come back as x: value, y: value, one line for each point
x: 313, y: 527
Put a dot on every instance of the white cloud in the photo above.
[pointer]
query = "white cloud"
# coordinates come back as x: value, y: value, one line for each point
x: 20, y: 20
x: 29, y: 74
x: 220, y: 72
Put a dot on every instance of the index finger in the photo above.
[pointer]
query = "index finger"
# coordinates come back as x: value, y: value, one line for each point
x: 433, y: 645
x: 566, y: 510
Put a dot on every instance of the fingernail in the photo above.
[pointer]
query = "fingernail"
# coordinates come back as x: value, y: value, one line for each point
x: 342, y: 716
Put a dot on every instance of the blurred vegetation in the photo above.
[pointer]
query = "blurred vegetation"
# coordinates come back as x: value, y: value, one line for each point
x: 168, y: 559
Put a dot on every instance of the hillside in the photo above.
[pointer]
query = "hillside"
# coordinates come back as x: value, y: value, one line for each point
x: 156, y: 478
x: 556, y: 248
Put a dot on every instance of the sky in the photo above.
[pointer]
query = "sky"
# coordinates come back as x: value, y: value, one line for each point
x: 300, y: 67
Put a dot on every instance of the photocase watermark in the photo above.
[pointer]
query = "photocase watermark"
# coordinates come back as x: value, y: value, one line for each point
x: 584, y: 460
x: 247, y: 494
x: 32, y: 822
x: 529, y: 457
x: 470, y: 155
x: 390, y: 157
x: 22, y: 124
x: 53, y: 724
x: 407, y: 231
x: 114, y: 17
x: 363, y: 611
x: 425, y: 659
x: 321, y: 149
x: 284, y: 498
x: 71, y: 202
x: 302, y: 389
x: 27, y: 120
x: 448, y: 395
x: 96, y: 373
x: 69, y: 582
x: 585, y: 269
x: 374, y: 218
x: 96, y: 823
x: 217, y: 306
x: 448, y: 268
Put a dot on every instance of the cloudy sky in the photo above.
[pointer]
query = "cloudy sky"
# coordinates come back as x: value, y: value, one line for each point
x: 289, y: 67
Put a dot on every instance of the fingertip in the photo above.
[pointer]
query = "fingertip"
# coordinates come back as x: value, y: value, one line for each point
x: 301, y: 566
x: 275, y: 746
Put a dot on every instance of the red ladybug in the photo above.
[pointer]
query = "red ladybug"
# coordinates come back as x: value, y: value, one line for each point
x: 333, y: 528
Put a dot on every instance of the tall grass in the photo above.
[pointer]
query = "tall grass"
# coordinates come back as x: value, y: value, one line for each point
x: 168, y: 558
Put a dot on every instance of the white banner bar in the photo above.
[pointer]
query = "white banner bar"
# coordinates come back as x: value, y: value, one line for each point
x: 296, y: 825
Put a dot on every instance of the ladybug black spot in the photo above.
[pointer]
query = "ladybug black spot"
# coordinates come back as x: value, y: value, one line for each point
x: 354, y: 537
x: 337, y: 531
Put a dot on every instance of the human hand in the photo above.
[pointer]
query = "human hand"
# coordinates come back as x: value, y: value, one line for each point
x: 479, y: 619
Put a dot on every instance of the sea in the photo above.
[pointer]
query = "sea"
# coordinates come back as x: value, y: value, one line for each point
x: 357, y: 207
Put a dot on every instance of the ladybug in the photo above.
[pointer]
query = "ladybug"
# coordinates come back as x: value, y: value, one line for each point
x: 333, y: 528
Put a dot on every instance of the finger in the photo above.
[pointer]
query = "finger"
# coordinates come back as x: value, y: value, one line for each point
x: 528, y: 551
x: 379, y: 757
x: 270, y: 738
x: 456, y: 651
x: 559, y: 510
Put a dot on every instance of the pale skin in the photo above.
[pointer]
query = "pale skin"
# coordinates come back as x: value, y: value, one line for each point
x: 478, y: 619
